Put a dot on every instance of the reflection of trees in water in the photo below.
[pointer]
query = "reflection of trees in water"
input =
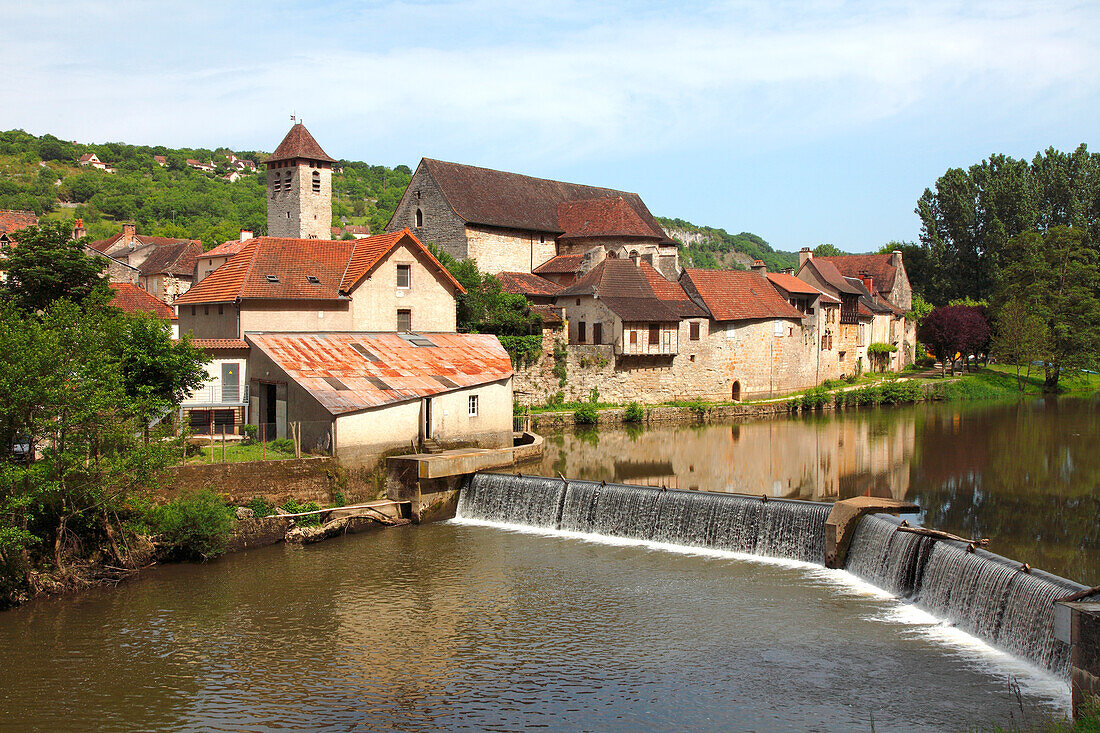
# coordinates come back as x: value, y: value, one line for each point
x: 1026, y: 475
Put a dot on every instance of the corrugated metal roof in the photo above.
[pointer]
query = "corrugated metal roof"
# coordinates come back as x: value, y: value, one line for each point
x: 401, y: 371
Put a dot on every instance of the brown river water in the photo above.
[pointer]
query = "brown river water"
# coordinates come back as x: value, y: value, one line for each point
x: 465, y: 626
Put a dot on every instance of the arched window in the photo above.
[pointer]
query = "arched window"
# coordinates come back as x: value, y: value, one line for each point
x: 419, y: 218
x: 316, y: 182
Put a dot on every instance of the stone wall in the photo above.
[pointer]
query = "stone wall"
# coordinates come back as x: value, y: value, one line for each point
x: 442, y: 227
x: 304, y: 480
x: 507, y: 250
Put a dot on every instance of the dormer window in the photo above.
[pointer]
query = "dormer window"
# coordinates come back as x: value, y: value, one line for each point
x: 313, y: 280
x: 272, y: 278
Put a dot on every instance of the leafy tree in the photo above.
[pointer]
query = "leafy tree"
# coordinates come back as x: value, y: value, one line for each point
x: 1020, y: 337
x: 156, y: 370
x: 45, y: 265
x: 956, y: 331
x: 919, y: 309
x: 1057, y: 276
x: 828, y: 250
x: 485, y: 307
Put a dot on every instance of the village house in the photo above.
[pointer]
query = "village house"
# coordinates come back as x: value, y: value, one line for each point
x: 357, y: 231
x: 240, y: 164
x: 359, y: 395
x: 820, y: 315
x: 875, y: 294
x: 165, y: 265
x: 232, y: 177
x: 212, y: 259
x: 200, y: 166
x: 160, y: 160
x: 509, y: 222
x: 12, y: 220
x: 93, y: 160
x: 132, y: 299
x: 540, y: 294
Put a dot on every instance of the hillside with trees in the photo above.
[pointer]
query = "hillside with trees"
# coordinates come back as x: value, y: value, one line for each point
x: 716, y: 249
x: 42, y: 174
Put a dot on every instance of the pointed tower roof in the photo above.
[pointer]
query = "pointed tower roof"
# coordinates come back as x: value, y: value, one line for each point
x: 298, y: 143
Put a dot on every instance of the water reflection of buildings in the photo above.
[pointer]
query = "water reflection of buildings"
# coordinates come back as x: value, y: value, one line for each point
x: 825, y: 458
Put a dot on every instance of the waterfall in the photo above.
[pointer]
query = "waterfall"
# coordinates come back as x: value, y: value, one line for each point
x: 775, y: 528
x: 979, y: 592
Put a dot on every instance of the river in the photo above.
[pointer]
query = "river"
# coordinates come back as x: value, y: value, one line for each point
x: 1025, y: 474
x: 463, y: 626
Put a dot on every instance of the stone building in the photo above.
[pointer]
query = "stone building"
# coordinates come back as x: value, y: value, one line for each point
x: 384, y: 283
x: 876, y: 294
x: 212, y: 259
x: 820, y: 315
x: 511, y: 222
x: 165, y: 265
x: 299, y: 188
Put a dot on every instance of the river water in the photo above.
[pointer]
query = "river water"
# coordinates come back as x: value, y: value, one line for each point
x: 466, y: 626
x: 1024, y: 474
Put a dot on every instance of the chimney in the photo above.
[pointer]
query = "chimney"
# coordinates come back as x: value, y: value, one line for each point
x: 634, y: 257
x: 78, y: 229
x: 246, y: 234
x: 805, y: 254
x: 867, y: 282
x: 760, y: 268
x: 895, y: 258
x: 129, y: 230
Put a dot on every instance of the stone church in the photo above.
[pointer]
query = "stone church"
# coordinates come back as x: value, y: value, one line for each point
x: 299, y: 188
x: 509, y: 222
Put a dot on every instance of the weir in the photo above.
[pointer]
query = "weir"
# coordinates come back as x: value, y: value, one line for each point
x: 989, y: 596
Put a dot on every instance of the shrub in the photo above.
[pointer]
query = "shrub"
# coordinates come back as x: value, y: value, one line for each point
x: 561, y: 358
x: 586, y: 414
x: 249, y: 432
x: 633, y: 413
x: 196, y: 526
x: 285, y: 445
x: 293, y: 507
x: 261, y: 507
x: 699, y: 407
x: 851, y: 378
x: 814, y: 399
x: 896, y: 393
x: 522, y: 350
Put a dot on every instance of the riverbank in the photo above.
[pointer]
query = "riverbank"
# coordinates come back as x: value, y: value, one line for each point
x: 989, y: 383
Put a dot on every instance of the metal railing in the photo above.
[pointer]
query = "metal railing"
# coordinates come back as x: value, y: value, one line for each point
x: 218, y: 395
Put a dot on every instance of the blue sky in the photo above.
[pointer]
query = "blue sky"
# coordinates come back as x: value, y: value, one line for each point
x: 803, y: 122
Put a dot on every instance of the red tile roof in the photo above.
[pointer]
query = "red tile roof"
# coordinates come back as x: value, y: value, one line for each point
x: 339, y: 266
x: 621, y: 286
x: 526, y: 283
x: 603, y: 218
x: 298, y: 143
x: 225, y: 249
x: 140, y: 240
x: 551, y: 315
x: 560, y: 265
x: 738, y: 295
x: 671, y: 292
x: 788, y: 283
x: 392, y: 369
x: 14, y: 220
x: 878, y: 266
x: 828, y: 272
x: 513, y: 201
x: 176, y: 258
x: 133, y: 299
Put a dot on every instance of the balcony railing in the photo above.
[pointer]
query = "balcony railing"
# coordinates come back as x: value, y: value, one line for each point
x: 640, y: 349
x: 219, y: 395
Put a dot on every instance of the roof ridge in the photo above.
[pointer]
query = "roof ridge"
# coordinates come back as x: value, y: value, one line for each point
x: 536, y: 178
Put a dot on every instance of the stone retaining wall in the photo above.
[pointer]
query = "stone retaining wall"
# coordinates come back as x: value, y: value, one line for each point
x: 306, y: 479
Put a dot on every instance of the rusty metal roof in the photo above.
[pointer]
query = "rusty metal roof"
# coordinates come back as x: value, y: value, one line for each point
x: 383, y: 368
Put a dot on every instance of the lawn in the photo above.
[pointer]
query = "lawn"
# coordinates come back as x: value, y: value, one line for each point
x: 240, y: 453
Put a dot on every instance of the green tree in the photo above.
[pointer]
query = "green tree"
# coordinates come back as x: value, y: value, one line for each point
x: 1057, y: 276
x: 919, y: 308
x: 828, y: 250
x: 1019, y: 337
x: 46, y: 265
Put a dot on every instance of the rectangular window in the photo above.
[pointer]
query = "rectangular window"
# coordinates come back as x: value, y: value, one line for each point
x: 404, y: 320
x: 633, y: 338
x: 404, y: 276
x: 778, y: 328
x: 597, y: 333
x: 473, y: 405
x: 693, y: 331
x: 192, y: 310
x: 654, y: 334
x: 221, y: 310
x: 581, y: 332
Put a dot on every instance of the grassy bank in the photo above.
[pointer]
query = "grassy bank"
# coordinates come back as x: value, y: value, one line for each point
x: 275, y: 450
x: 987, y: 383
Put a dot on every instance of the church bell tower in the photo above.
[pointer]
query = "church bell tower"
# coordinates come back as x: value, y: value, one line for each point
x: 299, y: 188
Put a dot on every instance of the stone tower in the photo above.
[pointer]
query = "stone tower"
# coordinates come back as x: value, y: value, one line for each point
x: 299, y: 188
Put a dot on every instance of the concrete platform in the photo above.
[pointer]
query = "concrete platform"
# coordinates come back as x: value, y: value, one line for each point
x: 842, y: 520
